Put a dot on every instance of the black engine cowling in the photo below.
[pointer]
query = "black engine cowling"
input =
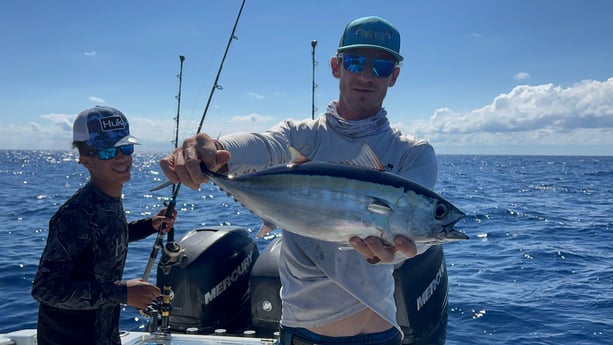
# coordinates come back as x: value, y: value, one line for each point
x: 210, y: 279
x: 222, y: 281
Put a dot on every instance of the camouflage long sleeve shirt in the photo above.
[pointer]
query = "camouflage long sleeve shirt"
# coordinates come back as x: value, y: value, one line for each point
x: 78, y: 283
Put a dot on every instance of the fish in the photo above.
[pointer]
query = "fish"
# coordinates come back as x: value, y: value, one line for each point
x: 334, y: 201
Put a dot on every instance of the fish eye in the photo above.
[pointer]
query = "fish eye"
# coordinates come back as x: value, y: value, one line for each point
x: 440, y: 211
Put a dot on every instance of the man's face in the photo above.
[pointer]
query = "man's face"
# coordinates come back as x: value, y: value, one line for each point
x: 361, y: 90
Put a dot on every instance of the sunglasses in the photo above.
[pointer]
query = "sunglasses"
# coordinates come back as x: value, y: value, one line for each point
x: 381, y: 68
x: 111, y: 152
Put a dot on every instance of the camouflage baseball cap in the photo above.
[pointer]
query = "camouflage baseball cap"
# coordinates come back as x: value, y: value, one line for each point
x: 102, y: 127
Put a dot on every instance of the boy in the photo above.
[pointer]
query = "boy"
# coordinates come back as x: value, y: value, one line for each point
x: 78, y: 283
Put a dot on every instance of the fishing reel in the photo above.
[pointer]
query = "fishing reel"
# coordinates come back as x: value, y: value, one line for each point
x: 159, y: 313
x: 172, y: 250
x: 172, y: 254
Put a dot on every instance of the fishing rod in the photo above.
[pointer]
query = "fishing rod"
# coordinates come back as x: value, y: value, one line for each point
x: 215, y: 86
x: 175, y: 187
x: 164, y: 307
x: 313, y: 108
x: 171, y: 249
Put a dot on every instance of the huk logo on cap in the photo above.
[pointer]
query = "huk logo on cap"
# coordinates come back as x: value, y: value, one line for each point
x: 371, y: 34
x: 112, y: 123
x: 102, y: 127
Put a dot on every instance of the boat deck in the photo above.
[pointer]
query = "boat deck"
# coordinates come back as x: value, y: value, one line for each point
x: 28, y: 337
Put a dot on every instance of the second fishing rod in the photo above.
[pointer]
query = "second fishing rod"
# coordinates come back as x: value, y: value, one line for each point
x: 174, y: 250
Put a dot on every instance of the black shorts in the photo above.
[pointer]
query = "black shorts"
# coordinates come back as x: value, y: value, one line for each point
x: 301, y: 336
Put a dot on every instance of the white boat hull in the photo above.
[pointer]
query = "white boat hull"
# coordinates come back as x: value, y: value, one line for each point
x: 28, y: 337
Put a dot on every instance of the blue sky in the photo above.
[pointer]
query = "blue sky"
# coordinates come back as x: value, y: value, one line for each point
x: 479, y: 76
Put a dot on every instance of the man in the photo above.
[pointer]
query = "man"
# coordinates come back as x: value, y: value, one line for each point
x: 331, y: 296
x: 78, y: 283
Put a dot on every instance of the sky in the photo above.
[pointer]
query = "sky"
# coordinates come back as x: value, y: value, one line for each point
x: 479, y: 76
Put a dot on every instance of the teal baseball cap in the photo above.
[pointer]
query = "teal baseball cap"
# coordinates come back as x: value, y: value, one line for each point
x: 371, y: 32
x: 102, y: 127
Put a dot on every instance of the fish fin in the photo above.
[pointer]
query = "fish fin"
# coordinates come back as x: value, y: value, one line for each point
x: 297, y: 157
x: 379, y: 206
x: 266, y: 228
x: 366, y: 158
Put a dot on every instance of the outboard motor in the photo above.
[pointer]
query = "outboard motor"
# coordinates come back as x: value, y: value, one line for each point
x: 265, y: 287
x: 210, y: 280
x: 420, y: 292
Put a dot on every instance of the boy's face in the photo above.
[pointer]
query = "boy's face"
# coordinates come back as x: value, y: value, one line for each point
x: 112, y: 172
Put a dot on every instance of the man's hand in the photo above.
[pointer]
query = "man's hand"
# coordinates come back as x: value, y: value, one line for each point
x: 375, y: 251
x: 140, y: 293
x: 183, y: 164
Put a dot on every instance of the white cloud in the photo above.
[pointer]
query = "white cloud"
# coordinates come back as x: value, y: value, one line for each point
x: 521, y: 76
x: 55, y: 132
x: 90, y: 53
x: 251, y: 118
x: 96, y: 99
x: 255, y: 95
x: 581, y: 114
x: 529, y: 119
x: 59, y: 122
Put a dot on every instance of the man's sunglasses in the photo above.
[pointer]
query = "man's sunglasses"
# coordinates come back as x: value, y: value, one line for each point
x: 111, y: 152
x: 381, y: 68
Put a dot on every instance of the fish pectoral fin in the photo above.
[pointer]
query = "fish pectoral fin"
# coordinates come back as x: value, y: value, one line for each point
x: 266, y: 228
x: 379, y: 206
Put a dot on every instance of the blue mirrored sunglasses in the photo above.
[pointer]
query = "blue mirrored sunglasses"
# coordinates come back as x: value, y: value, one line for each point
x: 381, y: 68
x: 111, y: 152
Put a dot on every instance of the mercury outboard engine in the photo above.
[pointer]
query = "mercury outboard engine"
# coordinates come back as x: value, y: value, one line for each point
x: 421, y: 295
x: 220, y: 280
x: 421, y: 292
x: 210, y: 280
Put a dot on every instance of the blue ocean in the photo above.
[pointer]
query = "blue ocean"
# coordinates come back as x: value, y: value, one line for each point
x: 538, y: 268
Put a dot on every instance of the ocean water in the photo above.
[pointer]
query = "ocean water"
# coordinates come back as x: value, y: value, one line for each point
x: 538, y: 268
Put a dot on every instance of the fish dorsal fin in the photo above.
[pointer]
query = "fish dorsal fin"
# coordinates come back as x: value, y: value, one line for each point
x: 366, y: 158
x: 297, y: 157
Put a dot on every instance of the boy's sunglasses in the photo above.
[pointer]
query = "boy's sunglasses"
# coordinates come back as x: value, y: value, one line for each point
x: 111, y: 152
x: 381, y: 68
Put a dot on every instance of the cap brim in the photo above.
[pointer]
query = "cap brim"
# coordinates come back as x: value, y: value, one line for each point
x: 127, y: 140
x: 397, y: 56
